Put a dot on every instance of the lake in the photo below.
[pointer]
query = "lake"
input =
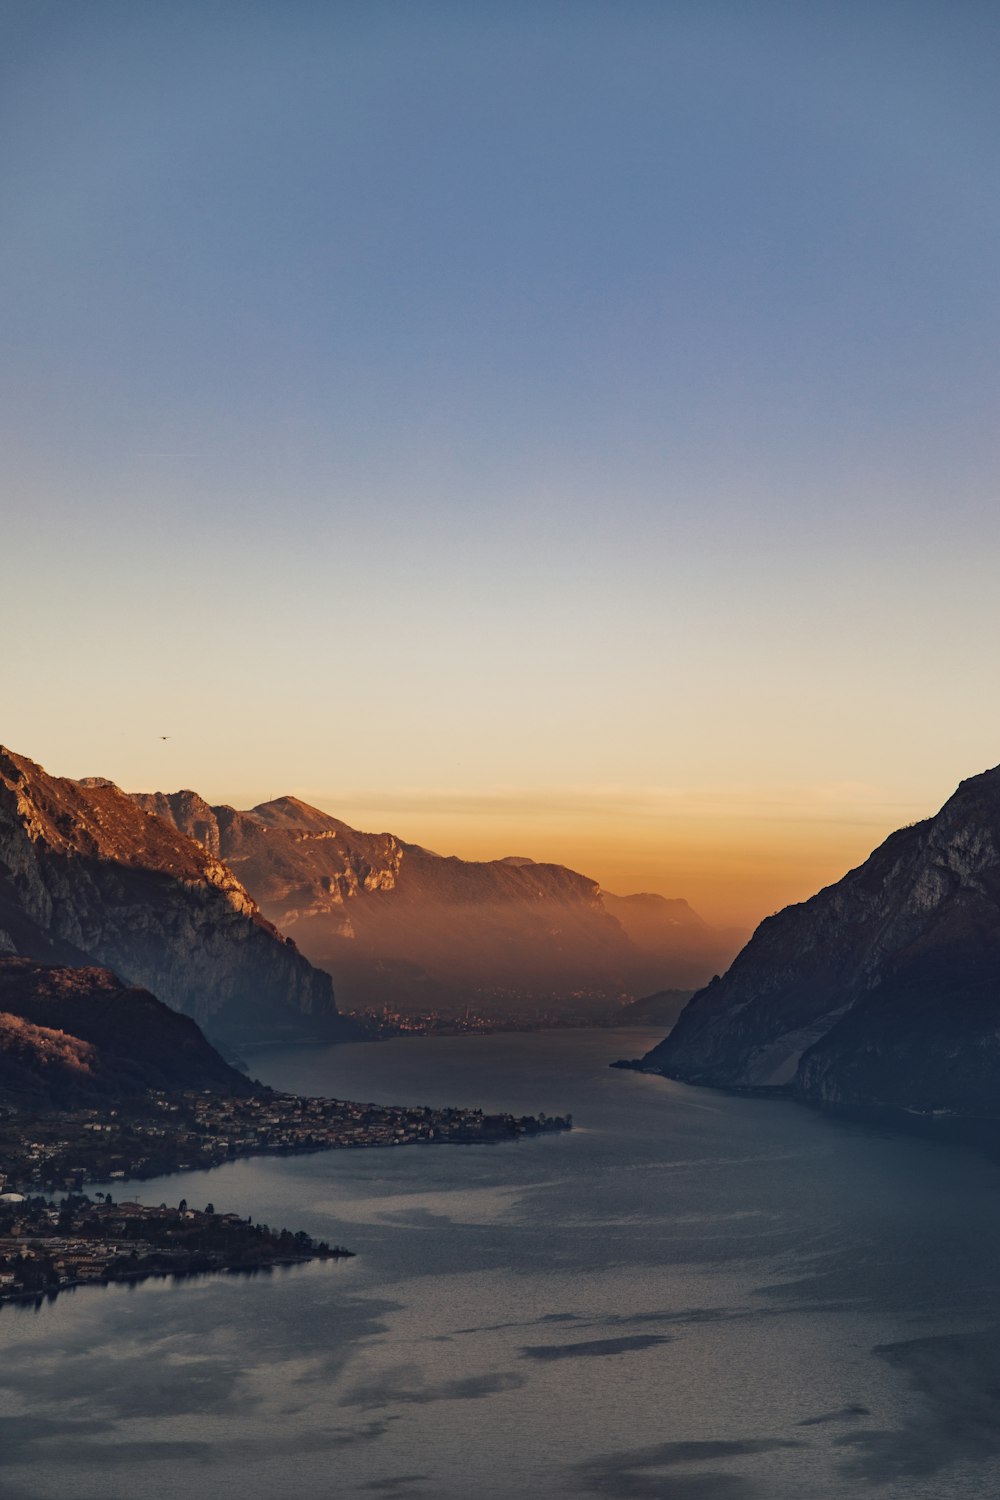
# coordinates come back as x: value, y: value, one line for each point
x: 691, y: 1296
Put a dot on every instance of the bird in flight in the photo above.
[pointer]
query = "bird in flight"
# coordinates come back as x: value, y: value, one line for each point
x: 164, y: 736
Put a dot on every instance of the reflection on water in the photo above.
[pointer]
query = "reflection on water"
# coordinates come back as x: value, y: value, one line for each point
x: 693, y: 1297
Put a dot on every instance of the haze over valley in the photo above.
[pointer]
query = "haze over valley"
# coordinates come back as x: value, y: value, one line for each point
x: 878, y: 993
x: 193, y: 901
x: 399, y: 926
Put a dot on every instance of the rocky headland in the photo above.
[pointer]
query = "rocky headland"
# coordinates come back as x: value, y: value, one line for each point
x: 881, y: 992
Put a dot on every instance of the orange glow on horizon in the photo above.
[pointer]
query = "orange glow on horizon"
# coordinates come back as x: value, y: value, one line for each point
x: 734, y: 856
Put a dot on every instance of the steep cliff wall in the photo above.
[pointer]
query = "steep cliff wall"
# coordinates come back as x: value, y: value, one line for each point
x: 87, y: 875
x: 883, y: 989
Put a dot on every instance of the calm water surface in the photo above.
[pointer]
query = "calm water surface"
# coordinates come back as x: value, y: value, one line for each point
x: 691, y: 1297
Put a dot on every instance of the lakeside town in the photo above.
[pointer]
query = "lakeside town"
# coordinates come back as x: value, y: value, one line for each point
x: 48, y: 1246
x: 494, y: 1010
x: 161, y: 1133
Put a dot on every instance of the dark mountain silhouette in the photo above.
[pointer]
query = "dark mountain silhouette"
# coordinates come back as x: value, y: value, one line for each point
x: 881, y: 991
x: 661, y: 1009
x: 71, y: 1037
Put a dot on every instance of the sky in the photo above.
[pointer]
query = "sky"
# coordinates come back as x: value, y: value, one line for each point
x: 556, y: 429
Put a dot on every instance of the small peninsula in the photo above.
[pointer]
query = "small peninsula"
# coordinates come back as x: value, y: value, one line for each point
x: 47, y: 1247
x: 100, y: 1081
x: 158, y: 1133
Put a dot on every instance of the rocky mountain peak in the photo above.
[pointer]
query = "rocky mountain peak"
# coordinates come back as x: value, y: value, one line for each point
x: 290, y: 812
x: 185, y: 811
x: 88, y: 872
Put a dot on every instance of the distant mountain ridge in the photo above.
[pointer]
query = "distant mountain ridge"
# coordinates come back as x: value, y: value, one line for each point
x: 647, y: 917
x: 397, y: 924
x: 882, y: 990
x: 87, y: 877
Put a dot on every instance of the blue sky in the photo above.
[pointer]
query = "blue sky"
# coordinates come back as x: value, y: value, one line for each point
x: 550, y: 405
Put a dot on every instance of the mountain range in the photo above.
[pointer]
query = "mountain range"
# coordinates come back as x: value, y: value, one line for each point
x: 87, y: 877
x: 239, y: 919
x: 400, y: 926
x: 880, y: 992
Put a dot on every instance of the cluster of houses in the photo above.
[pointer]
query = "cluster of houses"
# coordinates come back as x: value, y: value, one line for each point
x: 175, y: 1132
x: 46, y: 1247
x: 42, y: 1248
x: 291, y: 1122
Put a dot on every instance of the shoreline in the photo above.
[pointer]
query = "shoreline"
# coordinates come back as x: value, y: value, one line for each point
x: 44, y: 1243
x: 938, y: 1126
x: 160, y: 1134
x: 137, y: 1278
x: 47, y: 1248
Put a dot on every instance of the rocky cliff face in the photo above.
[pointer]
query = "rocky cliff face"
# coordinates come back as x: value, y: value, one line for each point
x: 882, y: 990
x: 88, y: 876
x: 397, y: 924
x: 76, y: 1036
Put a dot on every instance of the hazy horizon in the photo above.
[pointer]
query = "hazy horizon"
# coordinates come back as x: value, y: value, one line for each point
x: 555, y: 430
x: 735, y: 854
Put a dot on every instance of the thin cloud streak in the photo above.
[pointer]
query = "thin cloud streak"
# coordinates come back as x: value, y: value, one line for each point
x: 859, y: 803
